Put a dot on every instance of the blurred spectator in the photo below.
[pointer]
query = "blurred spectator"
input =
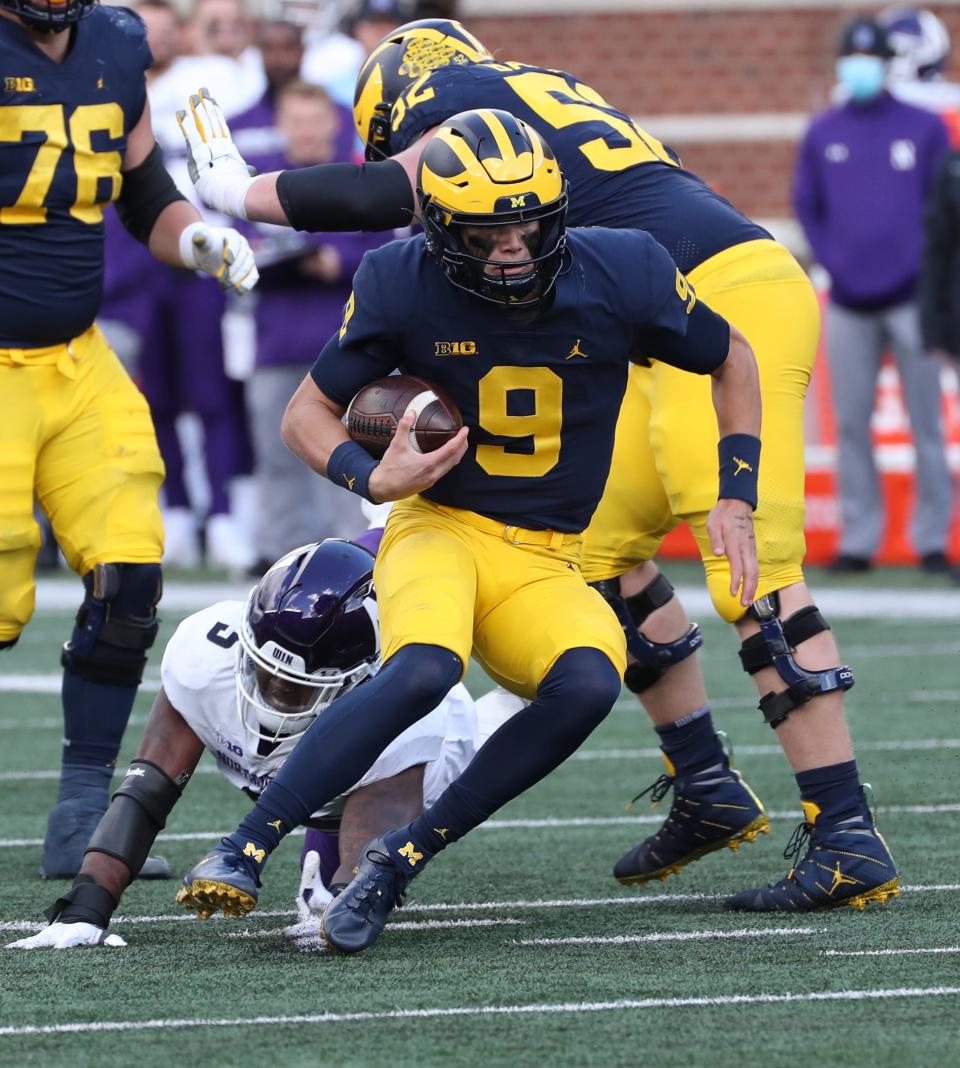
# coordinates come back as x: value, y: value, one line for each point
x: 863, y: 174
x: 304, y: 283
x: 940, y: 273
x: 374, y: 19
x: 168, y: 321
x: 255, y: 130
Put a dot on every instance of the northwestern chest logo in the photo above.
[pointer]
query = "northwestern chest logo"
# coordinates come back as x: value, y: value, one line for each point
x: 903, y: 155
x: 455, y: 348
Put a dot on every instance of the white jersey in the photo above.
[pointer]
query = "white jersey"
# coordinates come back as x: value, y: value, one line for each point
x: 198, y: 677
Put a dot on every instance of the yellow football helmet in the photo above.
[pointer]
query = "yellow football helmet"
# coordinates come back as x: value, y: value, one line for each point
x: 486, y: 168
x: 402, y: 57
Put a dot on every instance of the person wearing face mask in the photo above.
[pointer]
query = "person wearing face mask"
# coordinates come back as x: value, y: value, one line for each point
x: 863, y: 174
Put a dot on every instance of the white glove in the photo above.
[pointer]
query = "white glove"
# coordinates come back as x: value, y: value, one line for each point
x: 222, y: 252
x: 312, y: 898
x: 68, y: 936
x: 217, y: 169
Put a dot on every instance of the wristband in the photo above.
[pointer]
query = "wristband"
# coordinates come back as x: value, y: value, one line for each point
x: 739, y: 467
x: 225, y: 190
x: 85, y: 902
x: 350, y: 466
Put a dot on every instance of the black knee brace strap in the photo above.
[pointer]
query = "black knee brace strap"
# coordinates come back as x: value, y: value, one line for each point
x: 774, y: 647
x: 137, y: 814
x: 85, y: 902
x: 653, y: 659
x: 107, y: 646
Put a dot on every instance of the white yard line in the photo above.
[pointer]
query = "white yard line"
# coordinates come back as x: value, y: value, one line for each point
x: 544, y: 824
x: 666, y: 936
x: 886, y: 952
x: 417, y: 925
x: 574, y: 1008
x: 470, y: 906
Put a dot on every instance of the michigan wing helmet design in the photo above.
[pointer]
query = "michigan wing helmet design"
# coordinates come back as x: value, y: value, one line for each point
x: 407, y: 54
x: 486, y: 168
x: 309, y: 633
x: 49, y: 16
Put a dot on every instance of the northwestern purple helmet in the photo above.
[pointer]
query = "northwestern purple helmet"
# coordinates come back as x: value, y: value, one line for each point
x: 309, y: 633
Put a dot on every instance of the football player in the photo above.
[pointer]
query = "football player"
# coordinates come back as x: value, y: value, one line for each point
x: 76, y: 434
x: 482, y: 552
x: 665, y: 457
x: 244, y: 681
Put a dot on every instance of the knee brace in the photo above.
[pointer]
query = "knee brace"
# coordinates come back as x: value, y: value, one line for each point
x: 774, y: 647
x: 137, y: 814
x: 116, y: 624
x: 653, y: 659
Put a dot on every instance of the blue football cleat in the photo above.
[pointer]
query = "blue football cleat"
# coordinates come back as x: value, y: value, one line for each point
x: 354, y: 919
x: 712, y: 809
x: 224, y: 879
x: 847, y: 862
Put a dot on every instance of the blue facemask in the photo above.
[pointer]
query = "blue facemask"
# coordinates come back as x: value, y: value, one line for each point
x: 861, y: 76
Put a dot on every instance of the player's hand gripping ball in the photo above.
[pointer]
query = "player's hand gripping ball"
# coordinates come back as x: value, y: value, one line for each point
x: 374, y: 413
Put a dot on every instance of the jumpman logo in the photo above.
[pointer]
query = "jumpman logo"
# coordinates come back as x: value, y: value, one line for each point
x: 576, y: 351
x: 349, y: 481
x: 275, y: 825
x: 839, y: 879
x: 742, y: 465
x: 442, y: 831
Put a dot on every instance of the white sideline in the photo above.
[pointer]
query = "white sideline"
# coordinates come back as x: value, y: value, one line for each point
x: 470, y: 906
x: 399, y: 925
x: 836, y: 602
x: 512, y: 825
x: 488, y: 1010
x: 666, y: 936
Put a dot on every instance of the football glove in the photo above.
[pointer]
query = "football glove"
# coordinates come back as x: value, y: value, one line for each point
x: 68, y: 936
x: 312, y: 898
x: 217, y: 170
x: 221, y: 252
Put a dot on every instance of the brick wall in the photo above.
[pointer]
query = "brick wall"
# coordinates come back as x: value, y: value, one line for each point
x: 700, y: 63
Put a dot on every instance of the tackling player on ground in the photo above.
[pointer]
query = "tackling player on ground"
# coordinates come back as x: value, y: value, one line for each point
x: 244, y: 681
x: 665, y: 457
x: 482, y: 552
x: 76, y: 434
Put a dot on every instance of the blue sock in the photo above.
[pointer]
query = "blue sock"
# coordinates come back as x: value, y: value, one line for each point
x: 95, y: 716
x: 573, y: 698
x: 835, y: 790
x: 343, y: 743
x: 691, y: 743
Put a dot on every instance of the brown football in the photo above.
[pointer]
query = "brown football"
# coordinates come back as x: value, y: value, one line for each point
x: 375, y: 412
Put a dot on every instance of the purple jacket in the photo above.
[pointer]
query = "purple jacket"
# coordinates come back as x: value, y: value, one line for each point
x: 862, y: 177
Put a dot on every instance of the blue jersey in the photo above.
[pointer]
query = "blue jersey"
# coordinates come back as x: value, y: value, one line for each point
x: 63, y: 132
x: 619, y: 175
x: 540, y: 392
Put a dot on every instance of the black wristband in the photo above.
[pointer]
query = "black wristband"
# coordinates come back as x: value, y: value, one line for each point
x: 85, y: 902
x: 350, y: 466
x: 739, y: 467
x: 347, y: 196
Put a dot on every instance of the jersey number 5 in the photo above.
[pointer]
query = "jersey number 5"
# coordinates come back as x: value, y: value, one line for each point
x: 90, y: 165
x: 539, y: 392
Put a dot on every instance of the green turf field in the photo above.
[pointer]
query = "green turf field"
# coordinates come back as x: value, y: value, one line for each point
x: 518, y: 948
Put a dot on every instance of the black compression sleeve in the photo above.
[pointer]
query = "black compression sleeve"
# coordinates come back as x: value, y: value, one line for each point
x: 145, y: 192
x: 347, y: 196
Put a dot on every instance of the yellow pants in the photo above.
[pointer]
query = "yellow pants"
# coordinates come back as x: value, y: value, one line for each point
x: 76, y: 434
x: 513, y: 597
x: 665, y: 462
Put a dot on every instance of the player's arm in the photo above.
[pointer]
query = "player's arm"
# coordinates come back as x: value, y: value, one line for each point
x: 165, y: 760
x: 156, y: 213
x: 328, y: 197
x: 375, y: 809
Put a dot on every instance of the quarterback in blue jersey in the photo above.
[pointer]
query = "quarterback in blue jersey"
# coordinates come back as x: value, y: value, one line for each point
x: 664, y: 463
x: 482, y: 553
x: 76, y: 434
